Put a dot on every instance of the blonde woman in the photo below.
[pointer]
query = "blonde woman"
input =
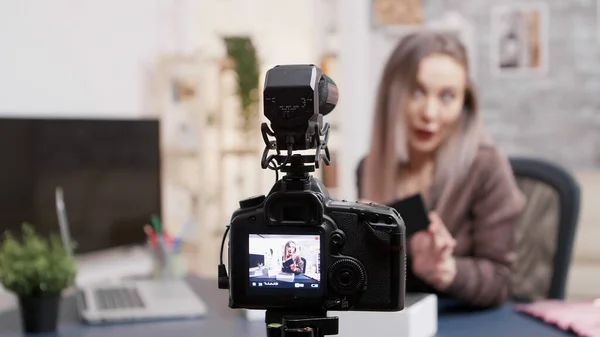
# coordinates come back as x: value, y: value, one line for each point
x: 292, y: 262
x: 428, y: 138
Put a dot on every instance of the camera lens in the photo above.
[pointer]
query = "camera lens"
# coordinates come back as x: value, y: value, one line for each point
x: 347, y: 276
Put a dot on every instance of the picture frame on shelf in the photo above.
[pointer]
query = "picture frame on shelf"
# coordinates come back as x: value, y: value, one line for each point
x: 519, y: 40
x: 181, y: 106
x: 396, y: 17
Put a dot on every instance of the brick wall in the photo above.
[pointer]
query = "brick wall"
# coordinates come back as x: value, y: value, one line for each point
x: 555, y: 116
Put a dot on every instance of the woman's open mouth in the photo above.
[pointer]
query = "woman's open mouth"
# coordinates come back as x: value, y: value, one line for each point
x: 424, y: 134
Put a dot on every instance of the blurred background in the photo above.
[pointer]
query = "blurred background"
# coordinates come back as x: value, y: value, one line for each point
x: 145, y: 107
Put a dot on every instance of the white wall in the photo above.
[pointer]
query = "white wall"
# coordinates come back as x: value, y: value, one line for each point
x: 81, y: 57
x: 356, y: 87
x: 283, y: 31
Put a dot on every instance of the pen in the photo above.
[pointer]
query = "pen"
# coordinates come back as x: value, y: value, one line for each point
x: 158, y: 231
x: 179, y: 238
x: 151, y: 234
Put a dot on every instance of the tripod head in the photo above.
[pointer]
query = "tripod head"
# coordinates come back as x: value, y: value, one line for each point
x: 296, y: 97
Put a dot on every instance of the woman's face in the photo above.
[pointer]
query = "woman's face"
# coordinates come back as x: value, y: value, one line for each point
x: 436, y: 103
x: 291, y: 249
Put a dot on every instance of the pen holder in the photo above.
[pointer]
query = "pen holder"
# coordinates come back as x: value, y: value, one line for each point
x: 168, y: 263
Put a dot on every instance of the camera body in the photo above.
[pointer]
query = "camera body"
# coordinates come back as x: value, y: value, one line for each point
x: 296, y: 248
x: 354, y: 253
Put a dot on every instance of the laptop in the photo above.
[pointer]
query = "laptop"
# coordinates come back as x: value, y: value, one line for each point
x: 131, y: 300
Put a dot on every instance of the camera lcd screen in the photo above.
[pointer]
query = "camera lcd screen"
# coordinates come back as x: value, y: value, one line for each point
x: 284, y: 261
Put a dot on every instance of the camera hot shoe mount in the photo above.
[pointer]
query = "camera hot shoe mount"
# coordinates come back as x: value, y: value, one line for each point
x: 295, y: 164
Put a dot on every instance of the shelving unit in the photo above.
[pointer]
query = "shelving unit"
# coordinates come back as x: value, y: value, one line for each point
x: 187, y: 131
x: 208, y: 164
x: 182, y: 142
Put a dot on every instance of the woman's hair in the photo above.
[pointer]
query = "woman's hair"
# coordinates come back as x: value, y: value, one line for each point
x: 389, y: 145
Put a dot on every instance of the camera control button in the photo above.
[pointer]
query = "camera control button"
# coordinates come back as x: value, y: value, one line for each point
x: 347, y: 276
x: 337, y: 239
x: 252, y: 201
x: 375, y: 218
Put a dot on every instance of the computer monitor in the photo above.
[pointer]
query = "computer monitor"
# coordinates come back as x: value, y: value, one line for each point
x: 256, y: 260
x: 109, y: 171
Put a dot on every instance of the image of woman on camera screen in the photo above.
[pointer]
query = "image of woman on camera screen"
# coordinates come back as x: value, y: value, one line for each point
x: 428, y: 138
x: 292, y: 262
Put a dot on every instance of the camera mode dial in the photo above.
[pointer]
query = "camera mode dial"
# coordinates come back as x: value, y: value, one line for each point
x: 347, y: 276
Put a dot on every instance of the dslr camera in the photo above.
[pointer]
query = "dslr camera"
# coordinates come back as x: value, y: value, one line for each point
x: 297, y: 249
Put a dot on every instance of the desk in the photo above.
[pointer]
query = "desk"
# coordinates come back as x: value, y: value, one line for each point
x: 225, y: 322
x: 501, y: 322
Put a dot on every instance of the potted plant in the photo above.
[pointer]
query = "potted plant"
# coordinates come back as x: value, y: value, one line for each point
x: 36, y: 270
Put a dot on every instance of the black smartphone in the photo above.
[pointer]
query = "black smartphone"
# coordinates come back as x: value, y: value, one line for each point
x: 287, y: 263
x: 414, y: 213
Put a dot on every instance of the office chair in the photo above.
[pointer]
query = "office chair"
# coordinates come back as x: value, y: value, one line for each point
x: 303, y: 265
x: 546, y: 230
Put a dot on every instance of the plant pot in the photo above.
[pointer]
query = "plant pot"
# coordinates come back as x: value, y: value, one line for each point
x: 39, y: 314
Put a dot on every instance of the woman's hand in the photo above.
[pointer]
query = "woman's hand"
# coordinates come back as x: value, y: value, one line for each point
x: 297, y: 266
x: 442, y: 239
x: 431, y: 252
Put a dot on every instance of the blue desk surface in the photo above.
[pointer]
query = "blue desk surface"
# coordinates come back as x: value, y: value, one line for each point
x: 224, y: 322
x: 498, y: 322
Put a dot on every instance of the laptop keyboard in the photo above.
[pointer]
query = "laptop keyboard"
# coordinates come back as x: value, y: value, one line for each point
x: 118, y: 298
